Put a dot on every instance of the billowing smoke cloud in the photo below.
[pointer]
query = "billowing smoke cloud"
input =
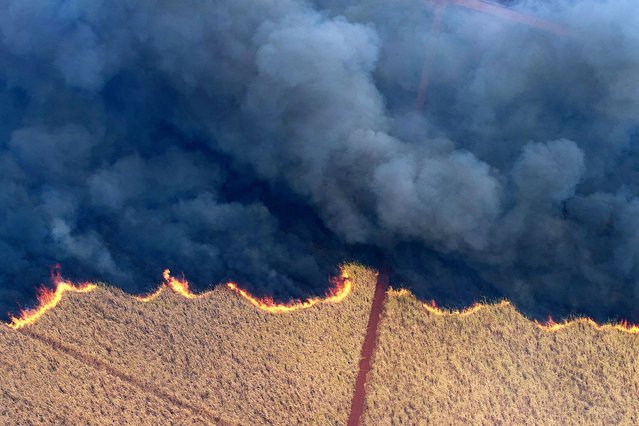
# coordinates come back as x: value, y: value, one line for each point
x: 266, y: 141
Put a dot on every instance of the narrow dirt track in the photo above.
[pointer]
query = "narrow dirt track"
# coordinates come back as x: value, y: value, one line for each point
x: 370, y: 341
x: 100, y: 365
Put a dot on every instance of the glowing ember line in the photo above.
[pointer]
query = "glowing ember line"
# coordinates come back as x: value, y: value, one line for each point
x: 550, y: 325
x: 47, y: 300
x: 152, y: 295
x: 336, y: 294
x: 434, y: 309
x: 623, y: 326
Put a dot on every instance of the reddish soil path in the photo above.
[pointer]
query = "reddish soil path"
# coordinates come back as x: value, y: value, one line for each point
x: 370, y: 341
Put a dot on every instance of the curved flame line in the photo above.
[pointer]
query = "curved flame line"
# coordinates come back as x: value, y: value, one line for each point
x: 550, y: 325
x: 48, y: 299
x: 335, y: 295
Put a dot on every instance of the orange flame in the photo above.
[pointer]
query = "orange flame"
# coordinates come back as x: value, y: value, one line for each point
x: 341, y: 288
x: 475, y: 307
x: 179, y: 286
x: 48, y: 299
x: 549, y: 325
x: 623, y: 326
x: 152, y: 295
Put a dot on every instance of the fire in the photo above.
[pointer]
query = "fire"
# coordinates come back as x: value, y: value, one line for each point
x: 179, y: 286
x: 549, y: 325
x: 48, y: 299
x: 623, y: 326
x: 152, y: 295
x: 475, y: 307
x: 341, y: 288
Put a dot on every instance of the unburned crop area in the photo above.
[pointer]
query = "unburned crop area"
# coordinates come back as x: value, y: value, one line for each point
x: 496, y: 367
x: 105, y: 357
x: 41, y: 385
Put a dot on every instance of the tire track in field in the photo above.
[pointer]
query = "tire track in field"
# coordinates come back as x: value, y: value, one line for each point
x: 99, y: 365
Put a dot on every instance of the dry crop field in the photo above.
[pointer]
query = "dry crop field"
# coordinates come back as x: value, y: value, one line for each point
x: 494, y: 366
x: 104, y: 357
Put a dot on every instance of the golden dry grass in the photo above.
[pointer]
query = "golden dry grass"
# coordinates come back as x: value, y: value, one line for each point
x: 40, y: 385
x: 105, y: 357
x: 496, y: 367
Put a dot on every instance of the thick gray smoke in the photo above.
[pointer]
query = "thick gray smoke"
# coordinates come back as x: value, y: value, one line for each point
x: 265, y: 141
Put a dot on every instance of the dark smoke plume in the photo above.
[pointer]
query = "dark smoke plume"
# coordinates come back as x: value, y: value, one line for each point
x: 267, y: 141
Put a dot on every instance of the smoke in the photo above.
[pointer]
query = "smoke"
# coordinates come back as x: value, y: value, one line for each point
x: 267, y: 141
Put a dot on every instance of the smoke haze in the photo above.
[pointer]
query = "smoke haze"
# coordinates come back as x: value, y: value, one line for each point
x: 268, y: 141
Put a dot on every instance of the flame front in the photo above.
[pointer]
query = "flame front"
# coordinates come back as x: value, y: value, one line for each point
x: 179, y: 286
x: 436, y: 310
x: 549, y: 325
x: 341, y: 288
x: 47, y: 300
x: 623, y: 326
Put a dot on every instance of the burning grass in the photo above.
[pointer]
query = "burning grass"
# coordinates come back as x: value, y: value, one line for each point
x: 49, y: 298
x: 222, y: 353
x: 226, y: 357
x: 490, y: 365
